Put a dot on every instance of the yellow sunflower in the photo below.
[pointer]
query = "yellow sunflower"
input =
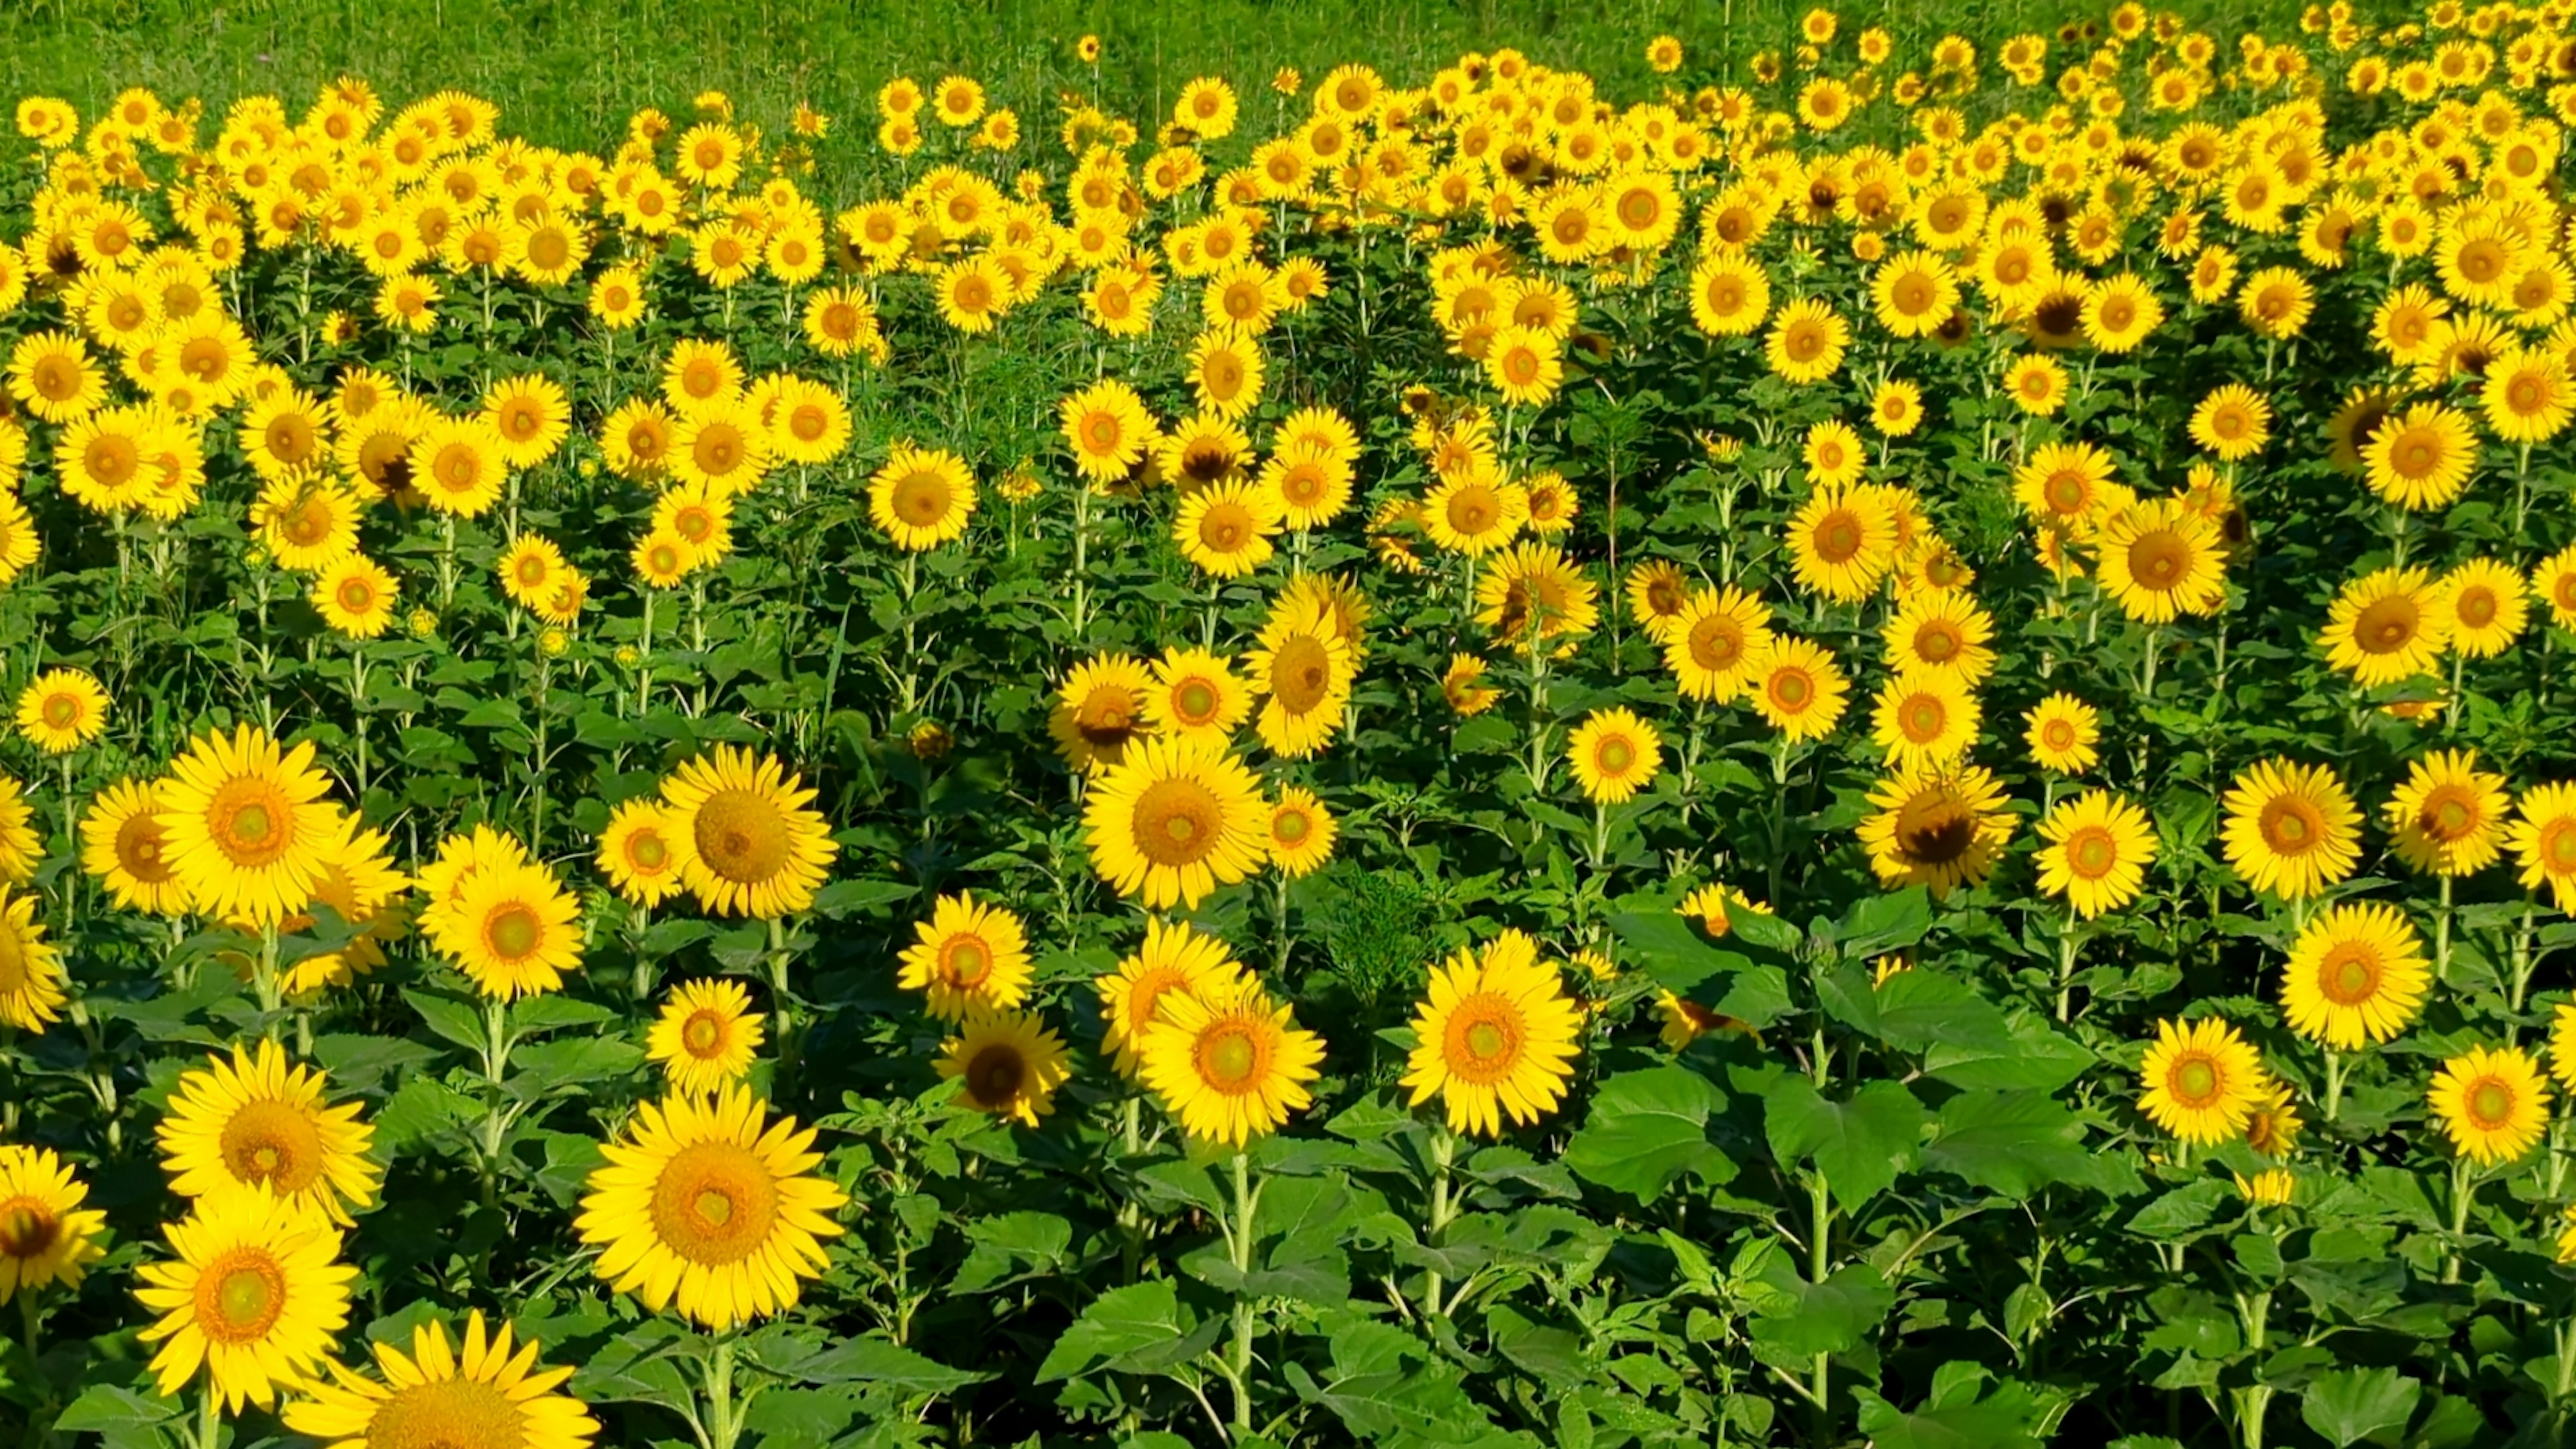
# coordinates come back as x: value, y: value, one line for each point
x: 1104, y: 706
x: 2447, y: 817
x: 1924, y: 717
x: 493, y: 1395
x: 1941, y: 827
x: 1942, y: 629
x: 1196, y: 693
x: 21, y: 849
x: 2421, y: 458
x: 750, y: 842
x: 2291, y: 829
x: 259, y: 1121
x: 922, y: 497
x: 2202, y: 1080
x: 1174, y: 820
x: 639, y: 852
x: 1228, y: 1062
x: 1710, y: 645
x: 61, y: 710
x: 1176, y: 957
x: 967, y: 956
x: 1797, y: 688
x: 2356, y: 975
x: 2099, y: 847
x: 253, y: 1293
x: 2492, y: 1104
x: 2482, y: 608
x: 247, y: 826
x: 46, y: 1236
x: 1006, y: 1063
x: 706, y: 1202
x: 2386, y: 627
x: 706, y: 1036
x: 1495, y: 1035
x: 1225, y: 528
x: 512, y: 928
x: 2543, y: 837
x: 1614, y: 754
x: 2161, y: 560
x: 355, y: 596
x: 124, y: 845
x: 1842, y: 542
x: 1304, y: 667
x: 2063, y: 735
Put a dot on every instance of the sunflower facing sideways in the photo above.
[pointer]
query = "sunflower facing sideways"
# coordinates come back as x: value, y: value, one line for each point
x: 125, y: 846
x: 1176, y: 956
x: 2356, y: 975
x: 2202, y: 1080
x: 2492, y: 1104
x: 1005, y: 1063
x: 46, y: 1236
x: 31, y: 968
x: 1495, y: 1035
x: 706, y: 1036
x: 751, y: 843
x: 1228, y: 1062
x: 2291, y: 829
x: 258, y: 1121
x: 708, y: 1203
x: 965, y: 957
x: 253, y: 1293
x: 490, y: 1395
x: 1173, y: 821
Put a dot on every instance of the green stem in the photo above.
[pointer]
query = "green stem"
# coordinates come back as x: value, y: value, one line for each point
x: 1819, y: 1244
x: 2463, y: 1193
x: 1245, y: 1201
x: 1444, y: 1151
x: 210, y: 1419
x: 724, y: 1423
x: 782, y: 1018
x: 2334, y: 1083
x: 2442, y: 936
x: 2066, y: 944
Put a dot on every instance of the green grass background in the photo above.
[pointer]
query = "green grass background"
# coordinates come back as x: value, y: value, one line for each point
x: 569, y: 74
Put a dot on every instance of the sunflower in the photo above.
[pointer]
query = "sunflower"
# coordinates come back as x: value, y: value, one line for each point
x: 355, y: 596
x: 1658, y: 591
x: 2161, y: 560
x: 1614, y: 754
x: 456, y: 464
x: 1311, y: 486
x: 1226, y: 1061
x: 2447, y: 817
x: 1225, y: 528
x: 62, y: 709
x: 1173, y: 820
x: 1942, y: 630
x: 750, y: 842
x: 17, y: 537
x: 722, y: 446
x: 1709, y: 646
x: 2099, y: 847
x: 1006, y: 1064
x: 922, y: 497
x: 1796, y: 687
x: 46, y: 1236
x: 530, y: 568
x: 492, y: 1396
x: 1301, y: 832
x: 257, y: 1121
x: 1304, y: 668
x: 1176, y: 956
x: 1842, y: 542
x: 530, y: 415
x: 1196, y: 693
x: 2420, y: 458
x: 511, y: 928
x: 1108, y: 428
x: 1938, y: 826
x: 2480, y: 606
x: 360, y: 885
x: 253, y: 1293
x: 1924, y: 717
x: 2553, y: 579
x: 54, y: 375
x: 1729, y: 294
x: 21, y: 849
x: 705, y: 1201
x: 706, y: 1037
x: 247, y: 825
x: 2544, y: 841
x: 2232, y: 422
x: 306, y: 524
x: 1495, y: 1034
x: 2064, y: 734
x: 2385, y: 627
x: 639, y: 854
x: 2291, y: 829
x: 124, y: 845
x: 967, y: 957
x: 1103, y: 707
x: 2356, y: 975
x: 1532, y: 594
x: 1462, y: 687
x: 1806, y: 341
x: 2068, y: 486
x: 2492, y: 1104
x: 2202, y: 1080
x: 1474, y: 512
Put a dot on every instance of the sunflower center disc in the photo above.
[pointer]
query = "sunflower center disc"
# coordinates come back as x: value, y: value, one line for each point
x: 455, y: 1413
x: 2195, y: 1081
x: 2490, y: 1103
x: 27, y: 1228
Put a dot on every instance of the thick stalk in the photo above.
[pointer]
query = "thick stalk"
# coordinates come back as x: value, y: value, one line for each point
x: 1245, y: 1200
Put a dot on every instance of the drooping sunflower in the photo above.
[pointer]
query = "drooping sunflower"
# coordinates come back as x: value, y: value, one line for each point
x: 2202, y: 1080
x: 2385, y: 627
x: 124, y: 845
x: 1102, y: 708
x: 706, y: 1202
x: 1228, y: 1062
x: 1176, y: 956
x: 2492, y: 1104
x: 46, y: 1236
x: 639, y: 852
x: 1303, y: 668
x: 1006, y: 1063
x: 1462, y: 687
x: 1924, y: 717
x: 2291, y: 829
x: 1495, y: 1035
x: 1710, y: 645
x: 1797, y: 687
x: 1842, y: 542
x: 967, y: 956
x: 2482, y: 607
x: 2099, y: 847
x: 751, y: 842
x: 2543, y: 837
x: 2447, y: 816
x: 492, y: 1395
x: 253, y: 1293
x: 1301, y: 832
x: 247, y: 825
x: 513, y: 929
x: 2161, y: 560
x: 922, y: 497
x: 1938, y: 826
x: 257, y: 1120
x: 1173, y: 820
x: 2356, y: 975
x: 706, y: 1037
x: 1615, y: 754
x: 61, y: 710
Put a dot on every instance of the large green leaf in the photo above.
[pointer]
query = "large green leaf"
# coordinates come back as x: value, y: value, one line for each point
x: 2357, y: 1405
x: 1647, y: 1128
x: 2013, y: 1143
x: 1829, y: 1317
x: 1860, y: 1145
x: 1119, y: 1328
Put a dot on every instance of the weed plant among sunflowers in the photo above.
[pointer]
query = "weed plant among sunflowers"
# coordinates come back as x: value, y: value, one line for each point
x: 1872, y: 750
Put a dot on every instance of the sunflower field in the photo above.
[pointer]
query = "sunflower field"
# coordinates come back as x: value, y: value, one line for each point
x: 1864, y: 748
